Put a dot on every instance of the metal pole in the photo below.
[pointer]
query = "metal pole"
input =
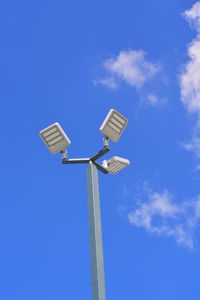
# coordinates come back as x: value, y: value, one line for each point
x: 96, y: 245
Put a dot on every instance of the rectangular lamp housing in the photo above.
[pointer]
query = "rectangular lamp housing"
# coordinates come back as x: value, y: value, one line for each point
x: 55, y: 138
x: 113, y: 125
x: 116, y: 164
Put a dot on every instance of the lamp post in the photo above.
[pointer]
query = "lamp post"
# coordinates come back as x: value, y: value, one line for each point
x: 57, y: 141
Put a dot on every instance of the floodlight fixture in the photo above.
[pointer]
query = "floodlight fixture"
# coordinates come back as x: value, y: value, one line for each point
x: 55, y: 138
x: 115, y: 164
x: 113, y: 125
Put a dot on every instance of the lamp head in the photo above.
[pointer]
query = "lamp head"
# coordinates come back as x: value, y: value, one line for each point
x: 55, y: 138
x: 116, y: 164
x: 113, y: 125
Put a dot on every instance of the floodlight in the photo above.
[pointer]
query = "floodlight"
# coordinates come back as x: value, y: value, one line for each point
x: 113, y: 125
x: 116, y: 164
x: 55, y: 138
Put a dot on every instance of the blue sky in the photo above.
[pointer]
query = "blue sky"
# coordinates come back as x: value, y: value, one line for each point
x: 71, y: 62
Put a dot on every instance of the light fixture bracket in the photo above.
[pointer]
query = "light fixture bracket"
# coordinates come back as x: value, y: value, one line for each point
x: 93, y: 159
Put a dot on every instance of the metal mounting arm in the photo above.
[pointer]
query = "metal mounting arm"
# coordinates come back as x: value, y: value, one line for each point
x: 93, y: 159
x: 66, y: 161
x: 100, y: 167
x: 100, y: 153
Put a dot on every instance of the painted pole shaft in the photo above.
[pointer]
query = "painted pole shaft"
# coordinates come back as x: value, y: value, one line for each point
x: 96, y: 245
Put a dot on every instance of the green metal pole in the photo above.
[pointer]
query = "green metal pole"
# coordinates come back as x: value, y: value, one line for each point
x: 96, y: 245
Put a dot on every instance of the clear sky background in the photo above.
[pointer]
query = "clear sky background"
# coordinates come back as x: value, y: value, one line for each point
x: 71, y: 61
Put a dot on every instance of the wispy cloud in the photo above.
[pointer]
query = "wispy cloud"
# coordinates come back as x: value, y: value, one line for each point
x: 193, y: 16
x: 190, y: 78
x: 193, y: 145
x: 108, y: 81
x: 159, y: 214
x: 153, y: 99
x: 132, y: 68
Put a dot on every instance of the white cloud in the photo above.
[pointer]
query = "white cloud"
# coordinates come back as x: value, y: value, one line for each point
x: 161, y: 215
x: 193, y: 145
x: 131, y: 67
x: 190, y: 79
x: 193, y: 16
x: 190, y: 76
x: 152, y: 99
x: 110, y: 82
